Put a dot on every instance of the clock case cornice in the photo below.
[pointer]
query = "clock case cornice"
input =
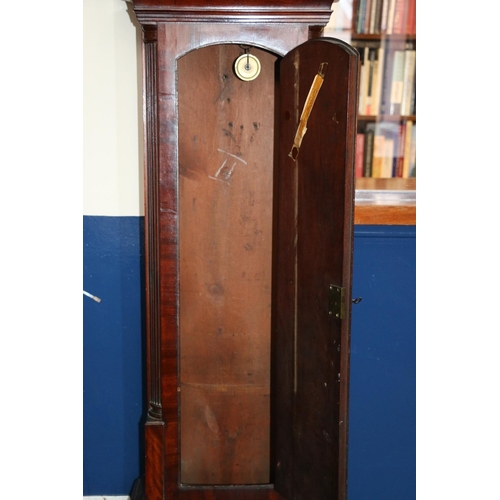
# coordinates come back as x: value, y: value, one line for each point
x: 315, y: 12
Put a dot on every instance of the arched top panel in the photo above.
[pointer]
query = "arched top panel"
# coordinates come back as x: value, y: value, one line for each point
x: 243, y: 43
x: 278, y: 39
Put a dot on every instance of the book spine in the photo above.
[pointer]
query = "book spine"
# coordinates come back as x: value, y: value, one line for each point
x: 407, y: 149
x: 378, y: 76
x: 373, y: 16
x: 408, y: 81
x: 399, y: 23
x: 368, y: 152
x: 363, y: 81
x: 411, y: 27
x: 377, y: 15
x: 413, y: 100
x: 360, y: 19
x: 368, y: 10
x: 413, y: 153
x: 360, y: 143
x: 383, y: 17
x: 397, y: 83
x: 400, y: 151
x: 390, y: 17
x: 389, y: 158
x: 378, y: 155
x: 370, y: 85
x: 385, y: 91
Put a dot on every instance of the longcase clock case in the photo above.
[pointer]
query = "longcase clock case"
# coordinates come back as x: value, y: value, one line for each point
x: 249, y: 221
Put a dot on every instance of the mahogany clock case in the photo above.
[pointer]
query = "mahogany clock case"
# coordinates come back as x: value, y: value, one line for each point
x: 248, y: 254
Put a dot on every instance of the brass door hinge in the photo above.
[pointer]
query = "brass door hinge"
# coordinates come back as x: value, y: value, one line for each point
x: 336, y: 305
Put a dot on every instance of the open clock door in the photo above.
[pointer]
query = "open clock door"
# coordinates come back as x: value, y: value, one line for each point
x: 314, y: 233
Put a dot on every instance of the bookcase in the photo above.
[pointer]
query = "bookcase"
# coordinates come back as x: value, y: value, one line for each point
x: 384, y: 33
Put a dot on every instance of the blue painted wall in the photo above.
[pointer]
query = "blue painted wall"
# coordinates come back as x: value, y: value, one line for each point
x: 382, y: 418
x: 113, y: 377
x: 382, y: 400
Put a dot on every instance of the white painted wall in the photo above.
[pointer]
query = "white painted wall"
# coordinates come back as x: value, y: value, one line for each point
x: 340, y: 21
x: 112, y: 114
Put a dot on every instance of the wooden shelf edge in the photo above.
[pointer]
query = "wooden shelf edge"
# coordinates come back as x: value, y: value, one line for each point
x: 387, y: 118
x: 410, y: 37
x: 399, y: 215
x: 385, y: 201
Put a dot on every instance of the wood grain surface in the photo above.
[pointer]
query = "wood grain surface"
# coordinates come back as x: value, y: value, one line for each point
x: 314, y: 248
x: 226, y: 130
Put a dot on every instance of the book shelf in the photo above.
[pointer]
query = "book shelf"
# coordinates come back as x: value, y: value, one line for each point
x: 384, y: 33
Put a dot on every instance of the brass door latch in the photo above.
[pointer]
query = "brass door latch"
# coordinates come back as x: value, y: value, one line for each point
x: 336, y: 303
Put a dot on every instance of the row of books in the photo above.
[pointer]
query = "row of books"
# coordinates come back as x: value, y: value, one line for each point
x: 386, y: 17
x: 387, y: 81
x: 386, y: 149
